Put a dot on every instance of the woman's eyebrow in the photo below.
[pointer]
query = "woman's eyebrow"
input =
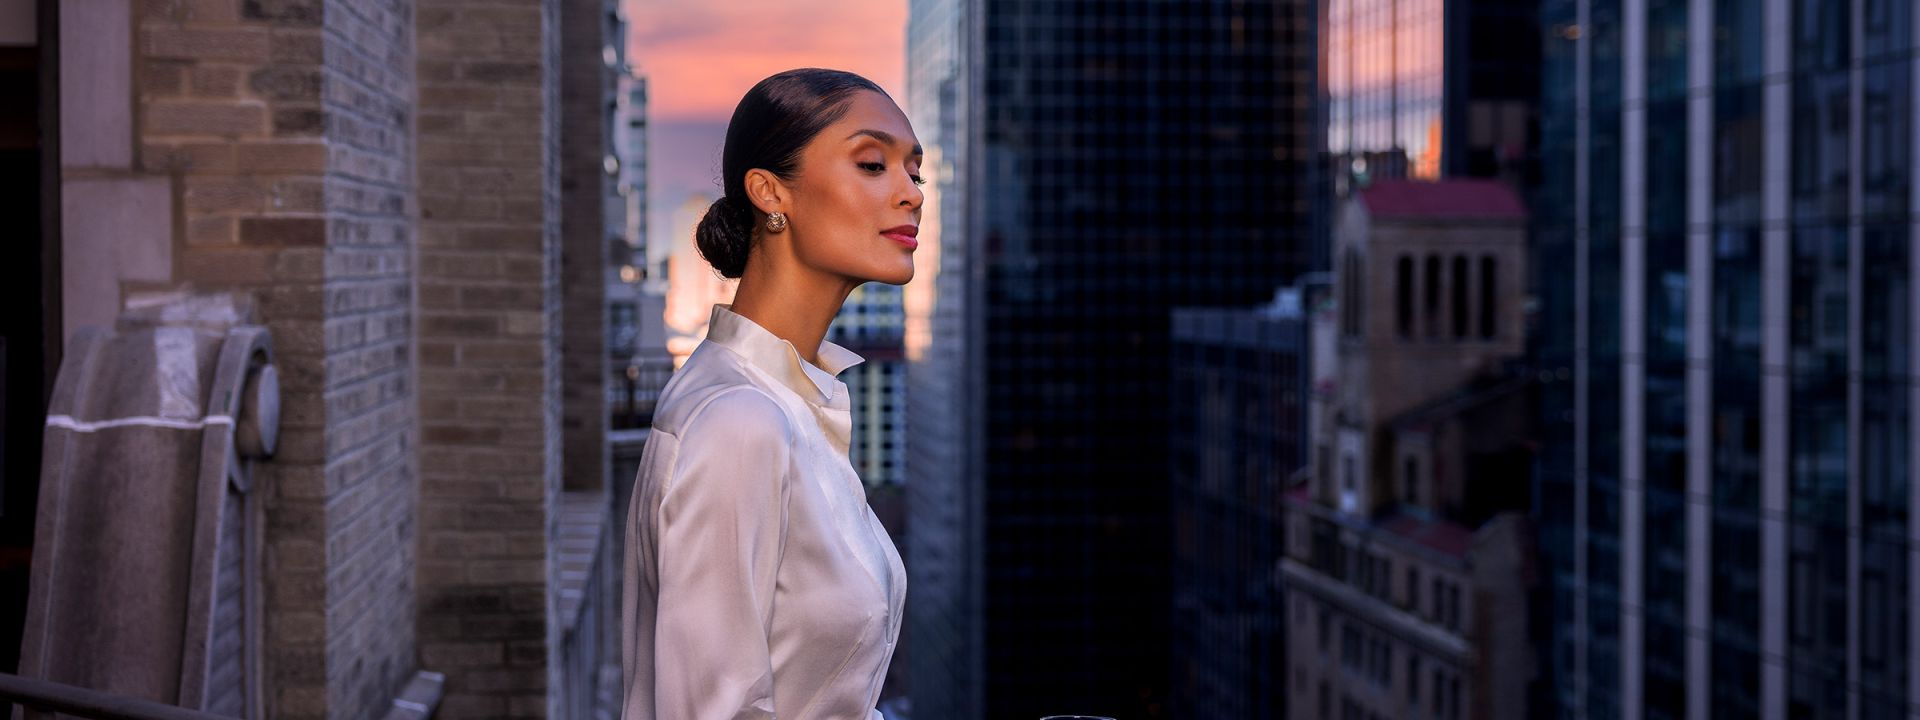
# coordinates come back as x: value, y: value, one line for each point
x: 884, y: 137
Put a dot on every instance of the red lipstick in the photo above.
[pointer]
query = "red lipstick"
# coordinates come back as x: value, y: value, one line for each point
x: 904, y: 235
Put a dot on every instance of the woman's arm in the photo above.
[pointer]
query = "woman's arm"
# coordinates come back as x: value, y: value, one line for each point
x: 722, y: 529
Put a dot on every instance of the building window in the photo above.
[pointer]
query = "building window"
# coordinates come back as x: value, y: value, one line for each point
x: 1432, y: 287
x: 1453, y: 606
x: 1410, y: 490
x: 1873, y: 615
x: 1352, y: 276
x: 1324, y: 465
x: 1801, y: 621
x: 1413, y: 589
x: 1413, y: 680
x: 1324, y: 631
x: 1349, y: 646
x: 1439, y: 693
x: 1489, y: 296
x: 1459, y: 296
x: 1403, y: 296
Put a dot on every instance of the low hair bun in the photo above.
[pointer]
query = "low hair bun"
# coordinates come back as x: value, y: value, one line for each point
x: 725, y: 235
x: 772, y: 123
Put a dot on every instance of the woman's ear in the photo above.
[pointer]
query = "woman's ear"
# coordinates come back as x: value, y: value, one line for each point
x: 766, y: 191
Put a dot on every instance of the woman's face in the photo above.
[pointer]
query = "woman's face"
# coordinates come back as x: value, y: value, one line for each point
x: 854, y: 208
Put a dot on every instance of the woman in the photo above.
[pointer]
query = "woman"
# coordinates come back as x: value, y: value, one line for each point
x: 758, y: 582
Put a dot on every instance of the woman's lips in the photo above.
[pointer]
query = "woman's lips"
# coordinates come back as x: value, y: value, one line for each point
x: 904, y: 234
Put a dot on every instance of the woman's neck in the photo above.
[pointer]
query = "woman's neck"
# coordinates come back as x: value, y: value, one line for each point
x: 795, y: 309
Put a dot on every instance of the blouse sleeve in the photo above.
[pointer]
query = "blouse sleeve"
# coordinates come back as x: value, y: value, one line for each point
x: 722, y: 529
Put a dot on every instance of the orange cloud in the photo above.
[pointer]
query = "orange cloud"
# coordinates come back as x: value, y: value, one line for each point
x: 700, y: 56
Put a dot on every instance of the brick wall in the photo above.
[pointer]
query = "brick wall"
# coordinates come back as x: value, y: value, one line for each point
x: 489, y: 346
x: 283, y: 126
x: 367, y: 101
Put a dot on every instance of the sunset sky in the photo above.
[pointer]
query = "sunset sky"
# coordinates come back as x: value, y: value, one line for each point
x: 700, y: 56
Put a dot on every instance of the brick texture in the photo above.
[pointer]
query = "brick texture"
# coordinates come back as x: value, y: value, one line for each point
x: 364, y: 90
x: 489, y: 331
x: 384, y: 177
x: 286, y: 126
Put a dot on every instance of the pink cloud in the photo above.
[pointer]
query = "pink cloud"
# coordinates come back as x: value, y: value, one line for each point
x: 700, y: 56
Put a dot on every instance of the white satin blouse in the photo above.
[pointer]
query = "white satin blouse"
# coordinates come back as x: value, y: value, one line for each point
x: 758, y: 582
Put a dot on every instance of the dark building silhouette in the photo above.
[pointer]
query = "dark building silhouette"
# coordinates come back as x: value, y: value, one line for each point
x: 1237, y: 408
x: 1099, y: 164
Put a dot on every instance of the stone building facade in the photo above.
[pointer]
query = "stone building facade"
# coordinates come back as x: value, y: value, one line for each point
x: 385, y: 181
x: 1407, y: 564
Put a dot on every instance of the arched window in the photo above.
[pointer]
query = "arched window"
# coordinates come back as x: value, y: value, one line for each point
x: 1410, y: 482
x: 1403, y: 296
x: 1489, y: 296
x: 1432, y: 314
x: 1460, y: 296
x: 1353, y: 279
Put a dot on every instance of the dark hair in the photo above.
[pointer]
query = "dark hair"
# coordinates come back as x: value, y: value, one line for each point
x: 770, y: 126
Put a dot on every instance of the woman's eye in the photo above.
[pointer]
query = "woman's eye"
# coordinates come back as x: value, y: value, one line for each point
x: 873, y: 167
x: 917, y: 180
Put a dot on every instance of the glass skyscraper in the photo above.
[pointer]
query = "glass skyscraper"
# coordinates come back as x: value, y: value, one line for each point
x: 1100, y: 163
x: 1238, y: 408
x: 1724, y: 231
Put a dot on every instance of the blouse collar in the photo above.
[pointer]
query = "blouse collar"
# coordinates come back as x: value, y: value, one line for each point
x: 777, y: 357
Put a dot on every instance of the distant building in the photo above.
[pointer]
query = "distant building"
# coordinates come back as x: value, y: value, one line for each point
x: 637, y: 353
x: 1099, y: 165
x: 693, y: 286
x: 872, y: 323
x: 1406, y: 571
x: 1727, y: 481
x: 631, y: 139
x: 1238, y: 408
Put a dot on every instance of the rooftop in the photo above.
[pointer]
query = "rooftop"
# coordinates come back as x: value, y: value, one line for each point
x: 1458, y: 199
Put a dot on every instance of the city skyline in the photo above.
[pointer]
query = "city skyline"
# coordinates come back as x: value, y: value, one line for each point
x: 1357, y: 359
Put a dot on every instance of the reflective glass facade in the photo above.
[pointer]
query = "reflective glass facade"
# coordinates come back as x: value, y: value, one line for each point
x: 1116, y: 160
x: 1777, y: 413
x: 1423, y: 89
x: 1384, y: 86
x: 1734, y: 541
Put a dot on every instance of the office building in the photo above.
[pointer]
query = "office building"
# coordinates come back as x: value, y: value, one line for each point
x: 1725, y: 238
x: 1117, y: 160
x: 871, y: 322
x: 1238, y: 412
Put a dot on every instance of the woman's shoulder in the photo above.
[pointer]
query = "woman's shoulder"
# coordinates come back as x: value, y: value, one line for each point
x: 708, y: 392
